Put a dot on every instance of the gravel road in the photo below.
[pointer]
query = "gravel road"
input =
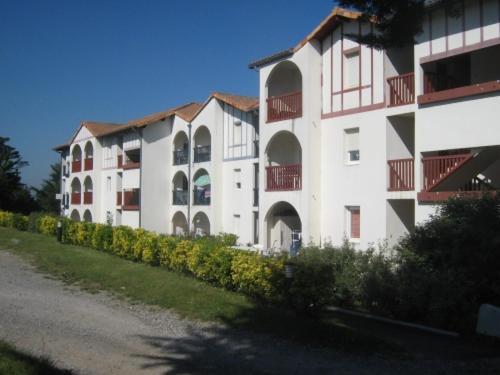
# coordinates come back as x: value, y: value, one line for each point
x: 99, y: 334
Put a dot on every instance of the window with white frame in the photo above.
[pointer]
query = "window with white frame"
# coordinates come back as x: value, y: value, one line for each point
x: 351, y: 69
x: 353, y: 222
x: 237, y: 178
x: 351, y: 145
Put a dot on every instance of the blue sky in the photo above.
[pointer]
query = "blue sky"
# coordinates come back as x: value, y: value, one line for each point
x: 62, y: 62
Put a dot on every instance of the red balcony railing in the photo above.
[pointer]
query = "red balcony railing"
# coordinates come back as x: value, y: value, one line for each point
x: 437, y: 168
x: 401, y: 89
x: 131, y: 200
x: 88, y: 164
x: 131, y: 165
x: 87, y: 197
x: 284, y: 107
x: 119, y: 198
x: 76, y: 166
x: 284, y: 177
x: 120, y: 161
x: 401, y: 175
x: 76, y: 198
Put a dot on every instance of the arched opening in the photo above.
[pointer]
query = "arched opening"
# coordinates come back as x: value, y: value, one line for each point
x: 87, y: 216
x: 284, y: 228
x: 202, y: 145
x: 181, y: 145
x: 89, y: 156
x: 284, y: 158
x: 201, y: 224
x: 76, y: 159
x: 76, y: 191
x: 88, y: 189
x: 179, y: 224
x: 284, y: 92
x: 180, y: 189
x: 202, y: 188
x: 75, y: 215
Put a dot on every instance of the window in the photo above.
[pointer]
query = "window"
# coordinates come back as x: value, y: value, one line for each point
x: 237, y: 178
x: 351, y: 69
x: 354, y: 222
x: 351, y: 145
x: 108, y: 183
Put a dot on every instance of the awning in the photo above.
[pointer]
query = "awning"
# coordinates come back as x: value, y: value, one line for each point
x: 203, y: 180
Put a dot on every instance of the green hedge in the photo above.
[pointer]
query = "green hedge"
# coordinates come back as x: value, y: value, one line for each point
x: 439, y: 275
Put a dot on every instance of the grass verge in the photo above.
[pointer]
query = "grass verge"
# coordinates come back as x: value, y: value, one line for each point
x: 13, y: 361
x: 93, y: 271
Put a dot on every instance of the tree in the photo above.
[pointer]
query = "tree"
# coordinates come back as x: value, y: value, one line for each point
x: 46, y: 195
x: 397, y: 22
x: 14, y: 195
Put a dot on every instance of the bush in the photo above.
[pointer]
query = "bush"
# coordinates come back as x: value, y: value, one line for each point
x: 47, y: 225
x: 102, y: 238
x: 166, y: 247
x: 179, y: 256
x: 218, y: 267
x: 34, y: 221
x: 6, y: 219
x: 123, y: 241
x: 227, y: 239
x: 20, y: 222
x: 146, y: 247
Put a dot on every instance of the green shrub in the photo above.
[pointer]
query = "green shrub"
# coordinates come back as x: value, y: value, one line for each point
x: 102, y: 238
x: 34, y: 221
x: 146, y: 247
x: 257, y: 276
x: 167, y: 245
x: 123, y: 241
x: 6, y: 219
x: 218, y: 266
x: 227, y: 239
x: 20, y: 222
x: 47, y: 225
x: 179, y: 256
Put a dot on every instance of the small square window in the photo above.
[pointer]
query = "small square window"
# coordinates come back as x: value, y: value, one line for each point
x: 351, y: 146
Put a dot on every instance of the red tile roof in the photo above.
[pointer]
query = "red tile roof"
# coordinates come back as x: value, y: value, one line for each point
x: 186, y: 112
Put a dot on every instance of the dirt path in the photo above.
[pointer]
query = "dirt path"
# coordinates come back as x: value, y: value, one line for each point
x: 97, y: 334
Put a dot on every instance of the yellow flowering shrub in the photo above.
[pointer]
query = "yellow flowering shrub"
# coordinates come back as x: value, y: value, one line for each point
x: 166, y: 247
x: 146, y: 247
x: 123, y: 241
x: 47, y: 225
x: 178, y: 260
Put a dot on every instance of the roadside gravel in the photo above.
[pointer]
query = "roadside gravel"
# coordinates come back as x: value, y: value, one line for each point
x: 100, y: 334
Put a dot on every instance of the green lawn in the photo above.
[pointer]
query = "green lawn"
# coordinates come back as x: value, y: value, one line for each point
x: 188, y: 297
x: 14, y: 362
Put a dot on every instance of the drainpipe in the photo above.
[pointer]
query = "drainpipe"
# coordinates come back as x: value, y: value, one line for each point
x: 189, y: 181
x: 139, y: 133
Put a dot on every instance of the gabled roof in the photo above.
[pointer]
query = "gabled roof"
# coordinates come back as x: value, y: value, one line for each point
x: 186, y: 112
x: 336, y: 15
x: 243, y: 103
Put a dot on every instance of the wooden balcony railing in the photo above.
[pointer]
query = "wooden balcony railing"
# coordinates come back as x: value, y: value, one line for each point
x: 180, y: 197
x: 76, y: 198
x: 87, y: 197
x: 120, y: 161
x: 131, y: 165
x: 88, y: 164
x: 76, y: 166
x: 119, y: 198
x: 401, y: 89
x: 401, y: 175
x: 437, y: 168
x: 284, y: 107
x: 131, y: 199
x: 284, y: 177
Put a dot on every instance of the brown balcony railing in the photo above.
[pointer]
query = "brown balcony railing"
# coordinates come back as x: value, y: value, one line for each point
x: 120, y: 161
x: 284, y: 107
x: 284, y: 177
x: 88, y: 164
x: 437, y: 168
x: 131, y: 200
x: 131, y: 165
x: 76, y: 198
x: 119, y: 198
x: 401, y: 89
x: 401, y: 175
x: 87, y: 197
x: 76, y: 166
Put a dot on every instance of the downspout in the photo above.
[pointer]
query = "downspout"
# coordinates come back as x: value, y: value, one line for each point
x: 189, y: 181
x: 139, y: 133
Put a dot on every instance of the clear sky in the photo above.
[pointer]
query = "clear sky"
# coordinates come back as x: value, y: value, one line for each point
x: 64, y: 61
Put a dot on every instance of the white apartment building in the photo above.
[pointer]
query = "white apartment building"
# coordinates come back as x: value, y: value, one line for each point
x: 354, y: 142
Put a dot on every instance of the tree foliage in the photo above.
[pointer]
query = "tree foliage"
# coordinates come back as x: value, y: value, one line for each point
x: 14, y: 195
x: 397, y: 23
x: 46, y: 195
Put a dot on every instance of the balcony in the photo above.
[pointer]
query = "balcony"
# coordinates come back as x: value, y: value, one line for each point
x: 131, y: 165
x: 120, y: 161
x: 401, y: 89
x: 88, y: 164
x: 284, y: 107
x: 76, y: 198
x: 180, y: 157
x: 201, y: 197
x: 180, y: 197
x: 87, y: 197
x: 284, y: 177
x: 202, y: 154
x: 131, y: 200
x: 119, y: 199
x: 76, y: 166
x: 401, y: 175
x: 437, y: 168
